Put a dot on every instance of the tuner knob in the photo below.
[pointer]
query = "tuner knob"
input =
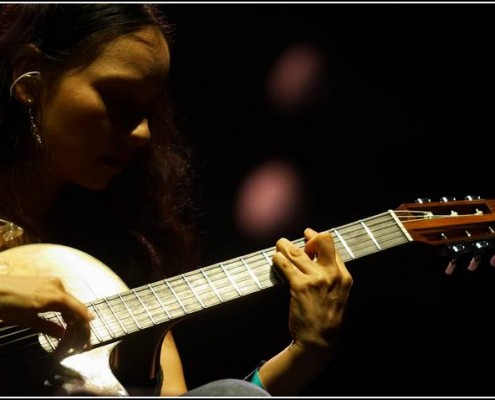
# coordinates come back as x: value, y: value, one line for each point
x: 474, y: 263
x: 455, y: 250
x: 479, y: 250
x: 422, y: 200
x: 446, y: 199
x: 469, y: 197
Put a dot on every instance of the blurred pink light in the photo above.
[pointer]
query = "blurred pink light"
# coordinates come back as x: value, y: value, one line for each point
x: 268, y: 200
x: 297, y: 77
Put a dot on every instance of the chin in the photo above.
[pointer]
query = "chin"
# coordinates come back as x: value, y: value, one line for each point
x: 96, y: 185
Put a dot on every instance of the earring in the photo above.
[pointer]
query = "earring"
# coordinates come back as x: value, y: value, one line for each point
x: 34, y: 125
x: 25, y: 75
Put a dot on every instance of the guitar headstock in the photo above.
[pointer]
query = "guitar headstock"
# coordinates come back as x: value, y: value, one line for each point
x: 458, y: 226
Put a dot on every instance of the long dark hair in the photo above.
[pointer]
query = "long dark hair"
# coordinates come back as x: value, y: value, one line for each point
x: 141, y: 224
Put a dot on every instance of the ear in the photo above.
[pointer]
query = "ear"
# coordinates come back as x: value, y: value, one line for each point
x: 26, y: 89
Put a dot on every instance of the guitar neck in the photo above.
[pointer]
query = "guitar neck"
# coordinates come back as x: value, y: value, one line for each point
x: 174, y: 298
x: 459, y: 224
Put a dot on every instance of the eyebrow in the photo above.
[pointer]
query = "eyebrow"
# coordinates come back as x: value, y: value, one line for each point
x: 133, y: 83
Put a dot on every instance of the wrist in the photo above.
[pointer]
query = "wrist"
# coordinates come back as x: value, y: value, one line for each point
x: 254, y: 376
x: 319, y: 353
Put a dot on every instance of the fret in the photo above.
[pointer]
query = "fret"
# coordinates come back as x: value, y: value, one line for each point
x: 344, y: 244
x: 168, y: 299
x: 46, y: 343
x: 193, y: 291
x: 94, y: 333
x: 211, y: 285
x: 380, y: 232
x: 123, y: 329
x: 59, y: 319
x: 202, y: 289
x: 103, y: 324
x: 251, y: 273
x: 243, y: 279
x: 108, y: 319
x: 176, y: 297
x: 394, y: 232
x: 220, y: 281
x: 130, y: 312
x: 160, y: 302
x: 120, y: 309
x: 230, y: 279
x: 386, y: 231
x: 268, y: 279
x: 268, y: 259
x: 370, y: 234
x: 144, y: 307
x: 188, y: 298
x: 133, y: 303
x: 155, y: 307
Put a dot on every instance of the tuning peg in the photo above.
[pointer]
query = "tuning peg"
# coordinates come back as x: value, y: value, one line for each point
x: 451, y: 266
x: 422, y: 200
x: 479, y: 250
x: 446, y: 199
x: 474, y: 263
x: 469, y: 197
x: 455, y: 250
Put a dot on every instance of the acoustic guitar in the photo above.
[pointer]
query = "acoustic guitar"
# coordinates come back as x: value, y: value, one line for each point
x: 27, y: 362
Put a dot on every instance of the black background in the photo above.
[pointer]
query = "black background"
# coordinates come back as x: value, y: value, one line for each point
x: 408, y: 113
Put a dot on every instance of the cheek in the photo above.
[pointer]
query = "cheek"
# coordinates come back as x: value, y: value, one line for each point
x: 74, y: 125
x: 76, y: 133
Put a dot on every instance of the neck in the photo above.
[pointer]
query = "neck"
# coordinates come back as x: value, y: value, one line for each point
x: 27, y: 195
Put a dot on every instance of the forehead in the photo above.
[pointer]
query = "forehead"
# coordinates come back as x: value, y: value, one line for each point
x: 141, y: 55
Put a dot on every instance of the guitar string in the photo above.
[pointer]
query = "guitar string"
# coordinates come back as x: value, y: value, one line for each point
x: 190, y: 290
x: 194, y: 294
x: 192, y: 299
x: 300, y: 241
x: 250, y: 260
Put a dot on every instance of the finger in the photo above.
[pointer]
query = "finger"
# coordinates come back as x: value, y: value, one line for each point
x: 284, y: 258
x: 38, y: 324
x: 77, y: 333
x: 69, y: 306
x: 47, y: 327
x: 309, y: 233
x: 321, y: 246
x: 75, y: 338
x: 295, y: 254
x: 287, y: 268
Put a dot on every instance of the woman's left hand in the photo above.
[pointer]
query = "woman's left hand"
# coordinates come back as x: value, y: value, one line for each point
x: 319, y: 286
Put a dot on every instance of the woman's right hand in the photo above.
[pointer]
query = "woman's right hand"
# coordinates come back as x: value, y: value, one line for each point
x: 23, y: 298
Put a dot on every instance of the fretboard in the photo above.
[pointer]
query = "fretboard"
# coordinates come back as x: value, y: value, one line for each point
x: 173, y: 298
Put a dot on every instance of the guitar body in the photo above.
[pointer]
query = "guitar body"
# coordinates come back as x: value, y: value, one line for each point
x: 34, y: 371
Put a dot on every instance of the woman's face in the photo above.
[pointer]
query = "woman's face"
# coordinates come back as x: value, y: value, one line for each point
x: 95, y: 119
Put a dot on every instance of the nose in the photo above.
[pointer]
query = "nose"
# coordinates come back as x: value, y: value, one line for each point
x: 140, y: 135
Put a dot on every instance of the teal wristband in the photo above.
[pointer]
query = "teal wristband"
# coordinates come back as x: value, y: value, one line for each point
x: 254, y: 376
x: 255, y: 379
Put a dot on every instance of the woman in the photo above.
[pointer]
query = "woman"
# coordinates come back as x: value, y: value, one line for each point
x: 91, y: 160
